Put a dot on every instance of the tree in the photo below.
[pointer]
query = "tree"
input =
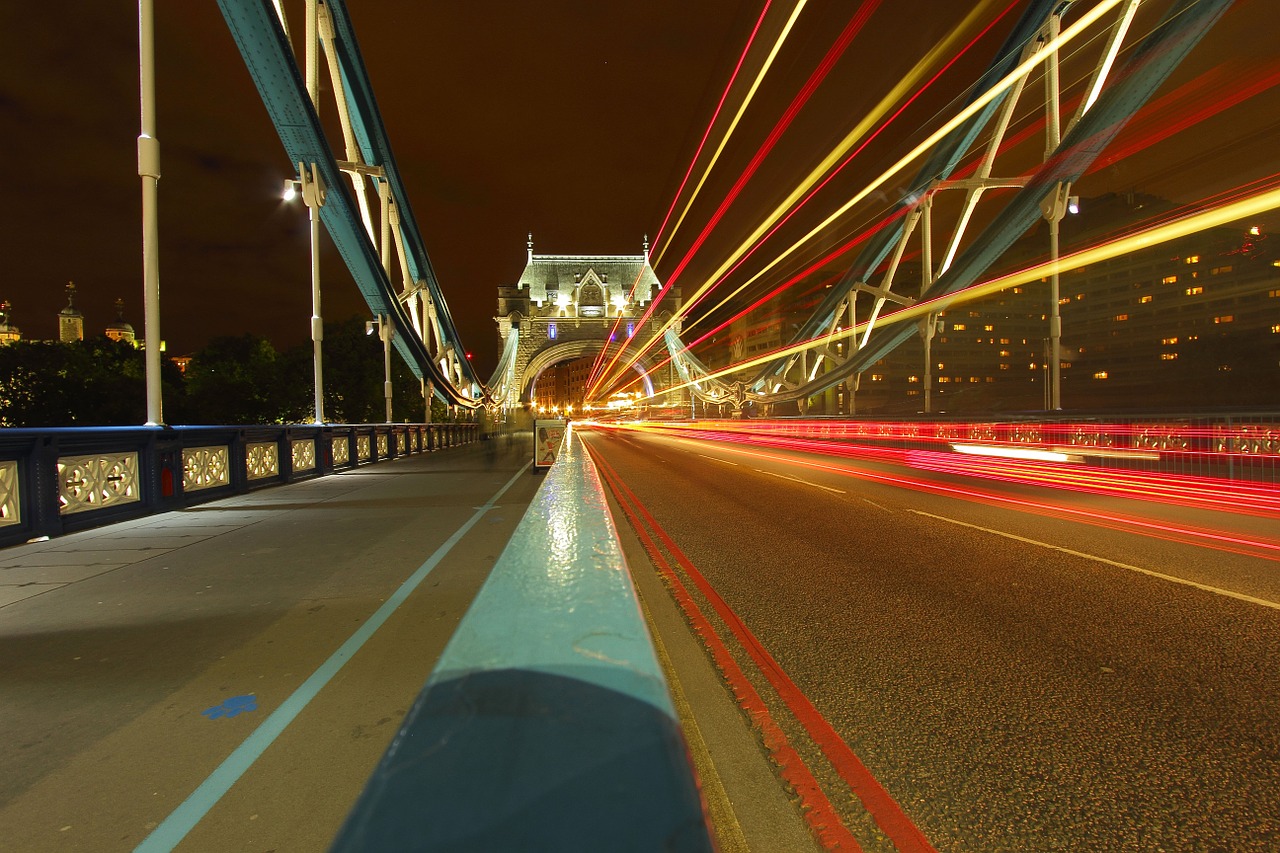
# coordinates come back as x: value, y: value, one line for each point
x: 98, y: 382
x: 236, y: 380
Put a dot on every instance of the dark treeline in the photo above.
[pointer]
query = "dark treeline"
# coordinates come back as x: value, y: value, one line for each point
x: 233, y: 380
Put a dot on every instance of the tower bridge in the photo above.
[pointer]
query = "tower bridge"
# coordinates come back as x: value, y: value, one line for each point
x: 566, y: 307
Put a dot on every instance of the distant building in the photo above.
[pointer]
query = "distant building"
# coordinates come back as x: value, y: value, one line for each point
x: 1190, y: 323
x: 70, y: 320
x: 8, y: 332
x: 120, y: 330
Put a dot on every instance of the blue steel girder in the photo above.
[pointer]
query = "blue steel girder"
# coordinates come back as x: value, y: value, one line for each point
x: 1136, y: 79
x: 268, y: 55
x: 942, y: 161
x: 371, y: 136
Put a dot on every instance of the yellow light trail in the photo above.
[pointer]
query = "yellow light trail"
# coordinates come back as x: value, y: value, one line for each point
x: 909, y: 81
x: 1214, y: 217
x: 742, y: 108
x: 933, y: 139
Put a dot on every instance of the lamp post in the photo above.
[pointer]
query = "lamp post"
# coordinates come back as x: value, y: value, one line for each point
x: 149, y: 171
x: 385, y: 332
x: 312, y: 187
x: 1055, y: 206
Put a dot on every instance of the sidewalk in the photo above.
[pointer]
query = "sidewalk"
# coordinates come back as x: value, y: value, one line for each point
x: 135, y: 658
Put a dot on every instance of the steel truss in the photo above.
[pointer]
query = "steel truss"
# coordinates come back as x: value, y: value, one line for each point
x: 1118, y: 87
x: 376, y: 251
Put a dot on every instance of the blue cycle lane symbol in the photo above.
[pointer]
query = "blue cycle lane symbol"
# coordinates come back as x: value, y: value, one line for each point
x: 232, y: 706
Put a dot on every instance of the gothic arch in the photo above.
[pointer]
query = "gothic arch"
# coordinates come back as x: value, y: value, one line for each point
x: 567, y: 351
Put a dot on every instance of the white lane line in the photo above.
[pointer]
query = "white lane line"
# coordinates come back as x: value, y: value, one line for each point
x: 716, y: 459
x: 874, y: 504
x: 1213, y: 589
x: 798, y: 480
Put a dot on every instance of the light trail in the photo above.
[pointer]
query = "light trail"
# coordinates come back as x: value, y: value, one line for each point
x: 755, y: 85
x: 657, y: 238
x: 742, y: 108
x: 1221, y: 540
x: 1252, y: 205
x: 658, y: 248
x: 855, y: 25
x: 1066, y: 37
x: 690, y: 304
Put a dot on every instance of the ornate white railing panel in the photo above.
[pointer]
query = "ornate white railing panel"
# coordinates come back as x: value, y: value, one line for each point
x: 402, y: 444
x: 364, y: 448
x: 96, y: 482
x: 262, y: 460
x: 10, y: 501
x: 205, y: 468
x: 341, y: 450
x: 304, y: 455
x: 383, y: 444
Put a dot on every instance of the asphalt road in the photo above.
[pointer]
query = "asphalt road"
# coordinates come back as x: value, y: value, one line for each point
x: 1014, y: 679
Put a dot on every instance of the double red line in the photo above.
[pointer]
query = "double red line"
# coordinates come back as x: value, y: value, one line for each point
x: 816, y: 807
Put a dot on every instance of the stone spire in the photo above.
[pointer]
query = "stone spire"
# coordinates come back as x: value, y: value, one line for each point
x: 70, y: 320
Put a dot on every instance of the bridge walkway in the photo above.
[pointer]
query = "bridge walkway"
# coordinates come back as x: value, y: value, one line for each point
x: 234, y: 665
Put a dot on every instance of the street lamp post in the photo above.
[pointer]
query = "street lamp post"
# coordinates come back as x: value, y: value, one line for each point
x: 313, y: 193
x: 149, y: 171
x: 1056, y: 206
x: 385, y: 332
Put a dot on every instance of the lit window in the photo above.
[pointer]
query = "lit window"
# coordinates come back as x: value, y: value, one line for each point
x: 944, y: 378
x: 1005, y: 340
x: 1144, y: 300
x: 1004, y: 353
x: 1120, y: 318
x: 941, y: 365
x: 974, y: 379
x: 1017, y: 290
x: 1220, y: 270
x: 1169, y: 279
x: 958, y: 327
x: 1066, y: 300
x: 913, y: 379
x: 1079, y: 296
x: 1275, y: 330
x: 877, y: 377
x: 1256, y: 230
x: 1194, y: 291
x: 1192, y: 259
x: 1101, y: 374
x: 988, y: 328
x: 1004, y: 367
x: 551, y: 331
x: 1274, y: 293
x: 1225, y: 318
x: 974, y: 314
x: 1168, y: 356
x: 1168, y: 341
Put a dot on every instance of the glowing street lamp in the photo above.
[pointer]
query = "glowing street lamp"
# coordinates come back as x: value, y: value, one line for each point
x: 311, y: 186
x: 385, y: 332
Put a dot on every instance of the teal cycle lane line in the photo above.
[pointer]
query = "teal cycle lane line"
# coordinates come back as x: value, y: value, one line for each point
x: 184, y: 818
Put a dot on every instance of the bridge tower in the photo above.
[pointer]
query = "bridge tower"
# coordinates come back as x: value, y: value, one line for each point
x: 565, y: 307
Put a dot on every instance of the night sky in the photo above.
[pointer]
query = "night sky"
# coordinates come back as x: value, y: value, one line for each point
x: 573, y: 120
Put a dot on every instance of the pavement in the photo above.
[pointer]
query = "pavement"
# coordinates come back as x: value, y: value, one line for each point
x: 225, y: 677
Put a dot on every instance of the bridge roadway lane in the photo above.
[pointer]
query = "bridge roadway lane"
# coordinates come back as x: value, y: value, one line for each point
x: 1009, y: 696
x: 105, y: 680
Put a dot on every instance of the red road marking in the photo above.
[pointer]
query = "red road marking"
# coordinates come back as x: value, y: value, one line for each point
x: 886, y: 812
x: 816, y: 808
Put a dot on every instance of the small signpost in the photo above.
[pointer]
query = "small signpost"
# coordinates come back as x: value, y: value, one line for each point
x: 547, y: 436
